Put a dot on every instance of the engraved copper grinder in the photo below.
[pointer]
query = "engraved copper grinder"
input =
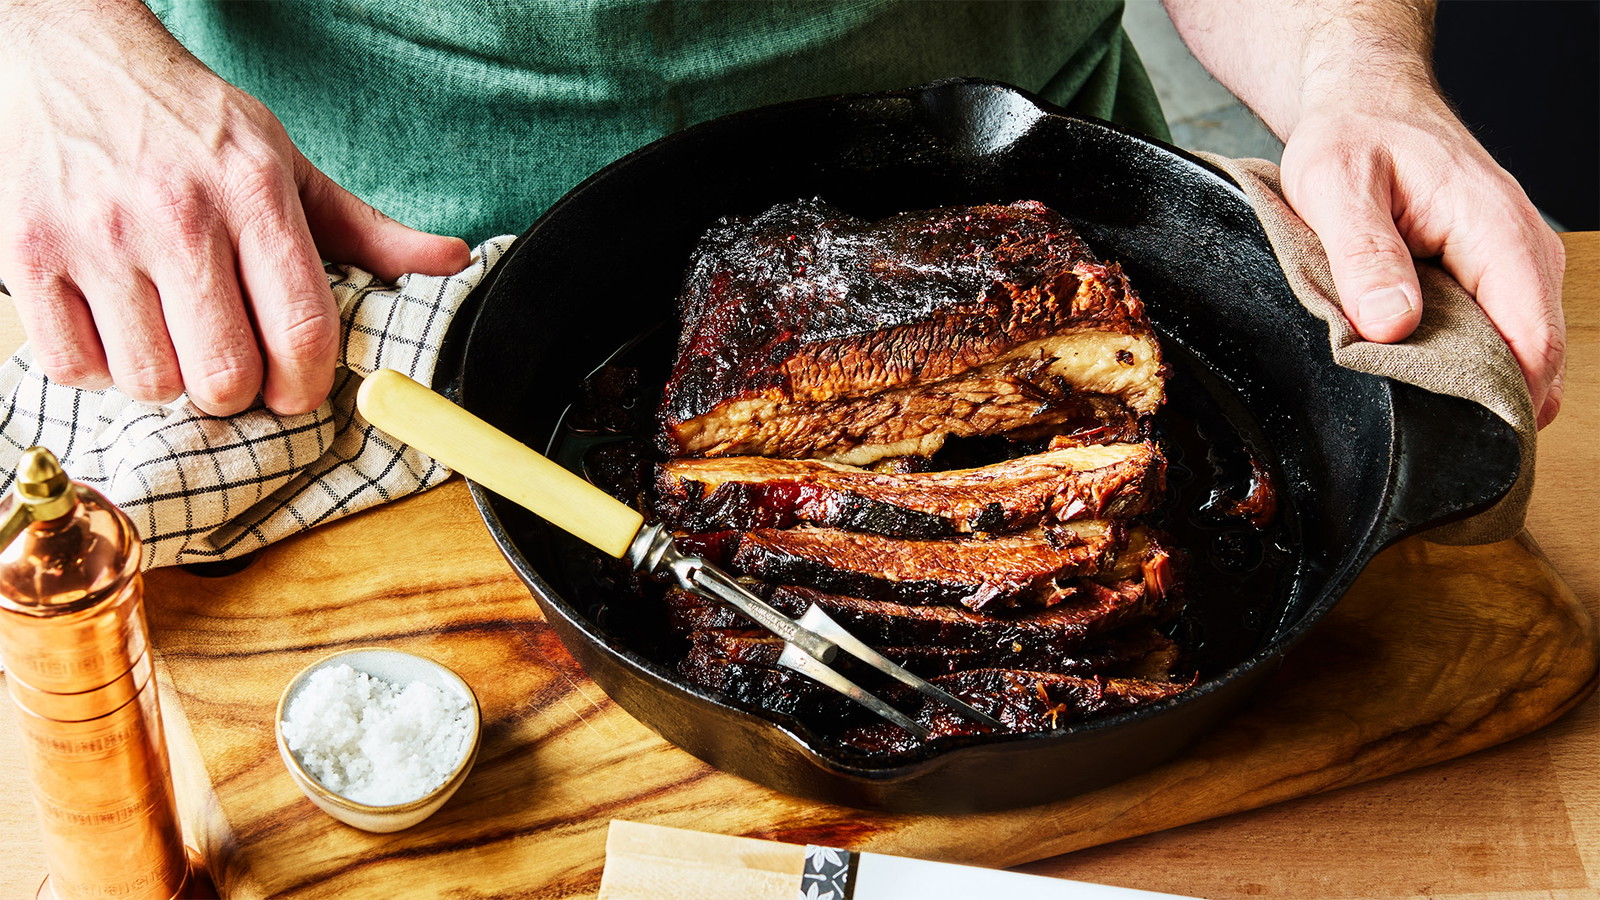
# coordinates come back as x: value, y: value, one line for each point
x: 78, y: 669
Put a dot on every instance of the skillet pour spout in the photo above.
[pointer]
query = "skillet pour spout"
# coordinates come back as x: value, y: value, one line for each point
x: 1360, y: 461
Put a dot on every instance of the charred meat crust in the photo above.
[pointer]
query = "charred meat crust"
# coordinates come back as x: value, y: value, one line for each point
x: 1061, y: 632
x: 1108, y: 481
x: 769, y: 687
x: 900, y: 330
x: 1095, y: 650
x: 1144, y: 651
x: 1023, y: 569
x: 1022, y: 700
x: 758, y: 647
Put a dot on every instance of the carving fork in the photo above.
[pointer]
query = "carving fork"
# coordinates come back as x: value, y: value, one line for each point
x: 458, y: 439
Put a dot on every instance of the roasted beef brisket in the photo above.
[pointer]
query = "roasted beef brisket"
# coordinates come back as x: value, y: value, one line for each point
x: 1141, y: 651
x: 823, y: 366
x: 1030, y: 568
x: 748, y: 492
x: 1023, y: 700
x: 1062, y: 633
x: 808, y: 333
x: 769, y: 687
x: 763, y: 648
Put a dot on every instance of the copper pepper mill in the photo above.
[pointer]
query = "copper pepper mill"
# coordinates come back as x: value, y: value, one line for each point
x: 78, y: 669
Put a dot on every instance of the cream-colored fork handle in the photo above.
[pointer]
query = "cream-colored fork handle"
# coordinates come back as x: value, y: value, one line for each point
x: 419, y: 417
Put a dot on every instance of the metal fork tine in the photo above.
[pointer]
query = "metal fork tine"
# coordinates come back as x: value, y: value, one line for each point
x: 804, y: 663
x: 823, y: 624
x: 809, y: 644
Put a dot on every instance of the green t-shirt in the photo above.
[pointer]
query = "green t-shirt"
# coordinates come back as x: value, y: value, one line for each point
x: 470, y: 118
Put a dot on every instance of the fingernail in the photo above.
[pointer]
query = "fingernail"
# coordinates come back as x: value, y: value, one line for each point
x: 1382, y: 305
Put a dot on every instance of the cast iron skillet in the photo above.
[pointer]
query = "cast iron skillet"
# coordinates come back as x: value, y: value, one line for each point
x: 1362, y: 460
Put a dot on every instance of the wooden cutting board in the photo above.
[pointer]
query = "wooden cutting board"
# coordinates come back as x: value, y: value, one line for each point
x: 1436, y: 652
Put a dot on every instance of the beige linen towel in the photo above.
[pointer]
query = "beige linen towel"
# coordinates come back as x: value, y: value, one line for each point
x: 1455, y: 351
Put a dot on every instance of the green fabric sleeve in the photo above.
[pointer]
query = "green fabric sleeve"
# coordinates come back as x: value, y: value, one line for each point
x: 471, y: 117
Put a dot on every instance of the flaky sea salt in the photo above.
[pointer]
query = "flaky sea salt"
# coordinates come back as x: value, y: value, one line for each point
x: 372, y: 741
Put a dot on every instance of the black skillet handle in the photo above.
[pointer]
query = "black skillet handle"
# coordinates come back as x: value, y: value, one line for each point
x: 1453, y: 458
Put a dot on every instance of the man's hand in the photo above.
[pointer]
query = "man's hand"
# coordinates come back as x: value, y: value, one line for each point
x: 1379, y: 167
x: 159, y: 230
x: 1380, y: 186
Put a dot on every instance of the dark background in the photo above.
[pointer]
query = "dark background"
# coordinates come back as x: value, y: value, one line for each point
x: 1525, y: 77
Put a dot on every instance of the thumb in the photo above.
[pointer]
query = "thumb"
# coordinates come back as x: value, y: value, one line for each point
x: 347, y: 230
x: 1371, y: 265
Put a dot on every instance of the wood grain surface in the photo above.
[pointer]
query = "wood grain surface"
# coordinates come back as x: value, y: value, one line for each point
x: 1436, y: 652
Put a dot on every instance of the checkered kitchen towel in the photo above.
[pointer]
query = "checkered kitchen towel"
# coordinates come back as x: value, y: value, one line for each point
x: 203, y: 489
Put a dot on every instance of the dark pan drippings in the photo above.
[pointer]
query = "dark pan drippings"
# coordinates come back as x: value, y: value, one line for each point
x: 1236, y: 553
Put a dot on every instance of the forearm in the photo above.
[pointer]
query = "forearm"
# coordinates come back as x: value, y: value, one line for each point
x: 116, y: 50
x: 39, y: 30
x: 1284, y: 57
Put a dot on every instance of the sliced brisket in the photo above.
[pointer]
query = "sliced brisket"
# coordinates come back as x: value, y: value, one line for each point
x: 747, y: 492
x: 1141, y: 651
x: 763, y: 648
x: 1023, y: 700
x: 810, y: 333
x: 823, y: 360
x: 1058, y: 632
x: 1023, y: 569
x: 769, y: 687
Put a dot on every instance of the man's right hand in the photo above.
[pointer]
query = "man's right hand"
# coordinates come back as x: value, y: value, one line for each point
x: 158, y: 228
x: 1380, y: 168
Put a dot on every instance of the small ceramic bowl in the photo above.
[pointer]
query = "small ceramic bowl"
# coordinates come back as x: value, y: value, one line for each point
x: 397, y: 668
